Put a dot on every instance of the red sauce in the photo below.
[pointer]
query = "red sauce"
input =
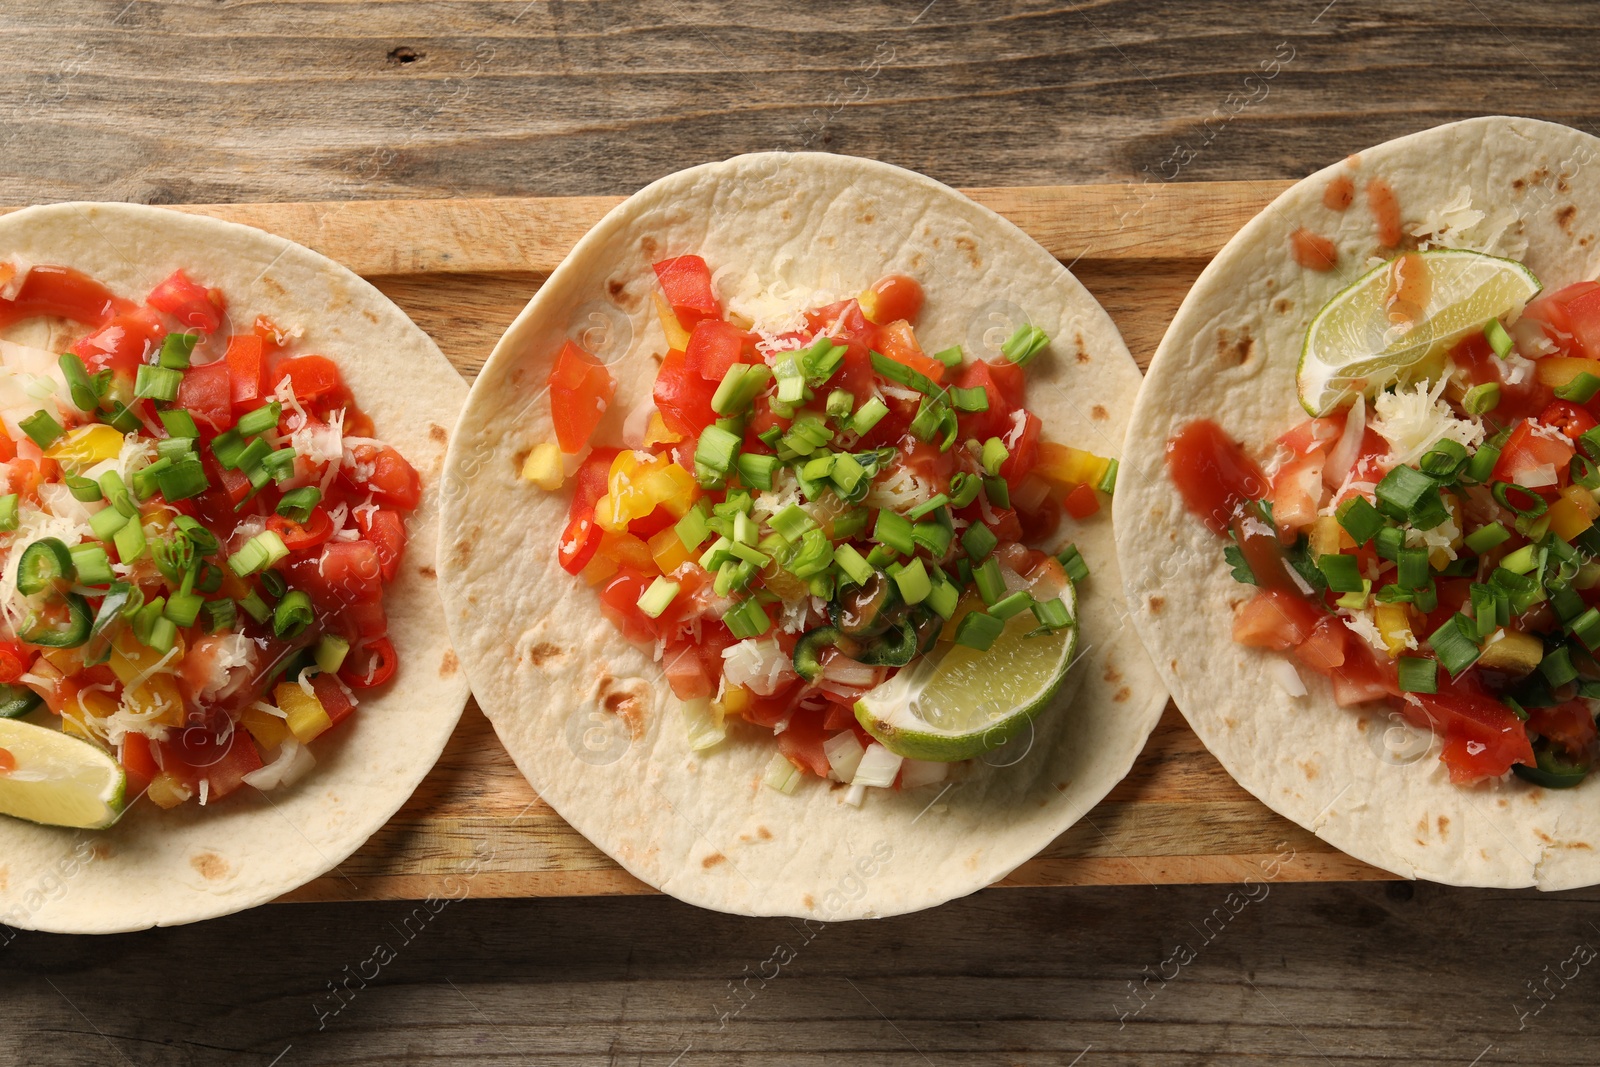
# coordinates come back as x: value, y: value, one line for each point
x: 1339, y: 194
x: 1313, y: 251
x: 1385, y: 211
x: 1406, y: 296
x: 63, y: 293
x: 8, y: 762
x: 1213, y: 474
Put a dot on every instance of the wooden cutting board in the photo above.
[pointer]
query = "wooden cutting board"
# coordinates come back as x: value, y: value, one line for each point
x: 463, y: 269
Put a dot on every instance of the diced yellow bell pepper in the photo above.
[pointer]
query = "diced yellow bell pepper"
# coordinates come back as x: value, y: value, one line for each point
x: 666, y: 548
x: 869, y: 305
x: 637, y: 486
x: 657, y: 432
x: 677, y: 336
x: 1325, y: 540
x: 86, y: 446
x: 543, y: 466
x: 1066, y: 467
x: 598, y: 569
x: 627, y: 550
x: 1559, y: 370
x: 307, y: 719
x: 1569, y: 517
x: 167, y: 792
x: 1514, y: 653
x: 735, y: 699
x: 156, y: 699
x: 268, y: 730
x: 1394, y: 625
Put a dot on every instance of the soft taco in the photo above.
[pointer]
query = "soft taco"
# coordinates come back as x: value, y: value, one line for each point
x: 779, y: 552
x: 222, y: 653
x: 1357, y: 511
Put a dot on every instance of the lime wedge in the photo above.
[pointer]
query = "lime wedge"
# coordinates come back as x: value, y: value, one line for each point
x: 957, y: 702
x: 51, y: 778
x: 1355, y: 345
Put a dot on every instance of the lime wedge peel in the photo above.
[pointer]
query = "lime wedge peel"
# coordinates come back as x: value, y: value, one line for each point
x: 48, y: 777
x: 1351, y: 346
x: 960, y: 703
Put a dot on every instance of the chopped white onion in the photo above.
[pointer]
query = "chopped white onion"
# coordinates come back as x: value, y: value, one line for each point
x: 1536, y: 477
x: 1286, y: 676
x: 1031, y: 493
x: 855, y: 795
x: 878, y: 767
x: 844, y: 752
x: 845, y: 671
x: 637, y: 423
x: 781, y: 774
x: 294, y: 760
x: 759, y: 663
x: 1344, y: 452
x: 917, y: 772
x: 704, y: 727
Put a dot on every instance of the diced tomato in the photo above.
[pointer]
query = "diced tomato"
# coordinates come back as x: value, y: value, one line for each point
x: 244, y: 364
x: 369, y: 663
x: 227, y: 774
x: 309, y: 376
x: 714, y: 346
x: 619, y: 602
x: 1039, y: 525
x: 1003, y: 385
x: 14, y: 660
x: 120, y: 345
x: 1574, y: 314
x: 1567, y: 417
x: 686, y: 283
x: 392, y: 480
x: 893, y: 427
x: 801, y: 742
x: 317, y: 528
x: 685, y: 673
x: 580, y: 391
x: 335, y: 701
x: 894, y: 296
x: 1213, y: 474
x: 854, y: 374
x: 138, y: 759
x: 1005, y: 525
x: 1366, y: 675
x: 1024, y: 452
x: 582, y: 536
x: 1527, y: 449
x: 1570, y: 725
x: 1081, y: 502
x: 1517, y: 400
x: 207, y: 394
x: 194, y: 306
x: 1482, y: 738
x: 683, y: 397
x: 344, y: 574
x: 1324, y: 650
x: 1277, y: 619
x: 1297, y: 492
x: 838, y: 717
x: 715, y: 638
x: 1313, y: 435
x: 64, y: 293
x: 899, y: 342
x: 387, y: 532
x: 762, y: 418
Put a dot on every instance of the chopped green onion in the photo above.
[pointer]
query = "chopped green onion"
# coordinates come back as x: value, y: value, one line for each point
x: 1455, y: 644
x: 106, y: 522
x: 163, y: 633
x: 746, y: 619
x: 92, y: 564
x: 994, y: 454
x: 255, y: 607
x: 945, y: 596
x: 840, y: 403
x: 84, y: 489
x: 881, y: 556
x: 1418, y: 674
x: 868, y: 415
x: 184, y: 608
x: 1481, y: 399
x: 964, y: 489
x: 1484, y: 538
x: 1389, y: 541
x: 1444, y: 459
x: 1484, y: 609
x: 252, y: 455
x: 222, y: 614
x: 179, y: 423
x: 979, y: 630
x: 821, y: 358
x: 1024, y: 344
x: 756, y: 470
x: 257, y: 554
x: 1565, y: 600
x: 1108, y: 481
x: 298, y: 503
x: 714, y: 455
x: 1402, y: 491
x: 1520, y: 561
x: 1581, y: 389
x: 991, y: 585
x: 86, y: 392
x: 1481, y: 466
x: 121, y: 417
x: 932, y: 504
x: 1498, y: 338
x: 1413, y: 568
x: 183, y: 480
x: 1342, y: 572
x: 260, y: 420
x: 1052, y: 614
x: 895, y: 531
x: 1356, y: 599
x: 228, y: 446
x: 330, y: 654
x: 1557, y: 666
x: 157, y: 383
x: 1011, y: 604
x: 896, y: 371
x: 176, y: 348
x: 174, y: 448
x: 998, y: 492
x: 1583, y: 471
x: 979, y: 541
x: 814, y: 555
x: 913, y: 582
x: 851, y: 563
x: 791, y: 522
x: 950, y: 357
x: 929, y: 419
x: 42, y: 427
x: 1525, y: 502
x: 1586, y: 628
x: 934, y: 536
x: 1589, y: 442
x: 975, y: 398
x: 848, y: 475
x: 656, y: 599
x: 1360, y: 519
x: 719, y: 553
x: 791, y: 382
x: 130, y: 541
x: 10, y: 513
x: 1073, y: 563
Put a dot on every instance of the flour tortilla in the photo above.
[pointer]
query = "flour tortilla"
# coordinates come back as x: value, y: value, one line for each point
x: 561, y: 685
x: 161, y: 868
x: 1351, y: 776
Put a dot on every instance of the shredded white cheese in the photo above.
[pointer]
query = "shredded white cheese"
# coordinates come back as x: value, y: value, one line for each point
x: 1414, y: 419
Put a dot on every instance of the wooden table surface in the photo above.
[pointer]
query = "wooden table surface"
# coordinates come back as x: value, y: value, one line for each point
x: 203, y: 102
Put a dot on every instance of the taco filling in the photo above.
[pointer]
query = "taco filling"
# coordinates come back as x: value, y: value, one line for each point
x: 1428, y: 539
x: 826, y: 531
x: 196, y: 526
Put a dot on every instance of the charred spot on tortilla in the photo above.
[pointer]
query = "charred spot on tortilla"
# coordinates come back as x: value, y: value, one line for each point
x: 648, y: 245
x: 1517, y: 184
x: 269, y: 283
x: 1098, y: 413
x: 1156, y: 604
x: 540, y: 653
x: 1565, y: 215
x: 427, y: 571
x: 369, y: 315
x: 1340, y: 193
x: 1444, y: 825
x: 763, y: 833
x: 808, y: 900
x: 1235, y: 349
x: 438, y: 433
x: 1309, y: 770
x: 210, y: 866
x: 970, y: 247
x: 1111, y: 674
x: 616, y: 287
x: 1283, y: 305
x: 1122, y: 695
x: 866, y: 218
x: 712, y: 860
x: 1562, y: 185
x: 624, y: 704
x: 449, y: 664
